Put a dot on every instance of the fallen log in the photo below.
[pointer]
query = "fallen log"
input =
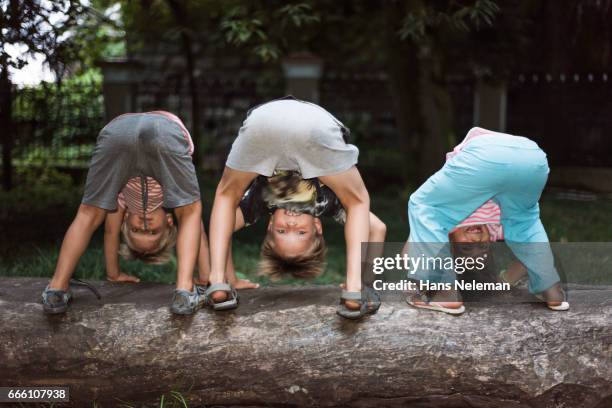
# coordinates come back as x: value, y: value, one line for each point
x: 285, y: 346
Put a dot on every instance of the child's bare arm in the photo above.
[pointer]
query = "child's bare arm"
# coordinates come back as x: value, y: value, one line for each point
x: 232, y: 186
x: 112, y: 231
x: 188, y: 242
x: 75, y: 243
x: 352, y: 193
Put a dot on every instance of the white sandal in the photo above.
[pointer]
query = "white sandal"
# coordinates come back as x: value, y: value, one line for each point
x: 429, y: 305
x: 559, y: 308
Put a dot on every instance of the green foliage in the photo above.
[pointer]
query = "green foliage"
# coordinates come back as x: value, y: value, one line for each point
x: 27, y: 25
x: 58, y: 125
x: 41, y: 190
x: 69, y: 34
x: 266, y: 32
x: 99, y: 35
x: 455, y: 16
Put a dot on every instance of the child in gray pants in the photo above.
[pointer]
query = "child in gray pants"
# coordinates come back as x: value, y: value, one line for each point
x: 141, y: 167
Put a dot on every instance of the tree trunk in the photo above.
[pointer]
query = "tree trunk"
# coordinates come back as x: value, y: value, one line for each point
x: 181, y: 19
x: 422, y: 104
x: 437, y: 112
x: 6, y: 124
x: 285, y: 346
x: 403, y: 72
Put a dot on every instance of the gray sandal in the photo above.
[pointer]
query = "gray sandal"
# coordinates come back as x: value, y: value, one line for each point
x: 230, y: 303
x: 185, y: 302
x: 56, y: 301
x: 369, y: 299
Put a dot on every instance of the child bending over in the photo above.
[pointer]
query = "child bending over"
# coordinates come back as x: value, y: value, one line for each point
x: 491, y: 180
x: 291, y: 160
x: 141, y: 170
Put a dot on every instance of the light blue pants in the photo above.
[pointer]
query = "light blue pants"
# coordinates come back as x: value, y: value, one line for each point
x: 511, y: 170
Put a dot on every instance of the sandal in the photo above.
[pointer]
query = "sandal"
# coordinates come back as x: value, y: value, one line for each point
x: 56, y: 301
x: 504, y: 279
x: 185, y: 302
x: 369, y: 299
x: 429, y: 305
x: 558, y: 308
x: 228, y: 304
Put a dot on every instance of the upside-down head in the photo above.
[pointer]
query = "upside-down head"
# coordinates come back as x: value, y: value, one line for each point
x: 152, y: 241
x: 294, y: 245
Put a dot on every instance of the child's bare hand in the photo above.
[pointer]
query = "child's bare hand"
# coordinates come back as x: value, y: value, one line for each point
x: 123, y: 277
x: 244, y: 284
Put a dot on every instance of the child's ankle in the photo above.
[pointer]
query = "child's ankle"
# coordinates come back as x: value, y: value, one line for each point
x: 59, y: 284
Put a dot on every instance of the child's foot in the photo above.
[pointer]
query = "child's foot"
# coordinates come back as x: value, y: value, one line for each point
x: 221, y: 296
x: 350, y: 304
x: 367, y: 301
x: 185, y: 302
x: 513, y: 278
x: 56, y: 301
x: 218, y: 296
x: 555, y: 298
x: 442, y: 301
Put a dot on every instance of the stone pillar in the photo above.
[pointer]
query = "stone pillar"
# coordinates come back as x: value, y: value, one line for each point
x: 119, y: 86
x: 490, y: 102
x: 302, y: 74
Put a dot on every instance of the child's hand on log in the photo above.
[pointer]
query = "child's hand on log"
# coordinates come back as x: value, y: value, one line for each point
x: 244, y: 284
x: 235, y: 283
x: 123, y: 277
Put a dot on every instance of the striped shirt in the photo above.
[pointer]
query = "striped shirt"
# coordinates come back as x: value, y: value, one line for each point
x: 489, y: 213
x: 131, y: 195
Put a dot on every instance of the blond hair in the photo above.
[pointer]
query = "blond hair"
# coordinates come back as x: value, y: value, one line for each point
x: 159, y: 257
x: 308, y: 265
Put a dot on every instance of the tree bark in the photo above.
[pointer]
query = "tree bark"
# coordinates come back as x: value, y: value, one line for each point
x: 181, y: 19
x: 6, y: 124
x: 403, y: 71
x: 437, y: 112
x: 422, y: 103
x: 285, y: 346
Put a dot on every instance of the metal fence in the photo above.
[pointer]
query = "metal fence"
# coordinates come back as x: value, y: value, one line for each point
x: 568, y: 115
x: 56, y: 126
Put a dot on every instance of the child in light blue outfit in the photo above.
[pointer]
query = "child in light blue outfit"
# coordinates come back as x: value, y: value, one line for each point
x: 510, y: 170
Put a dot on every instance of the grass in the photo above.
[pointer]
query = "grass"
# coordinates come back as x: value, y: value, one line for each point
x: 34, y: 218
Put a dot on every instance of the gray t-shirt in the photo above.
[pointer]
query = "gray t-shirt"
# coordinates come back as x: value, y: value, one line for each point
x: 288, y: 134
x: 141, y: 144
